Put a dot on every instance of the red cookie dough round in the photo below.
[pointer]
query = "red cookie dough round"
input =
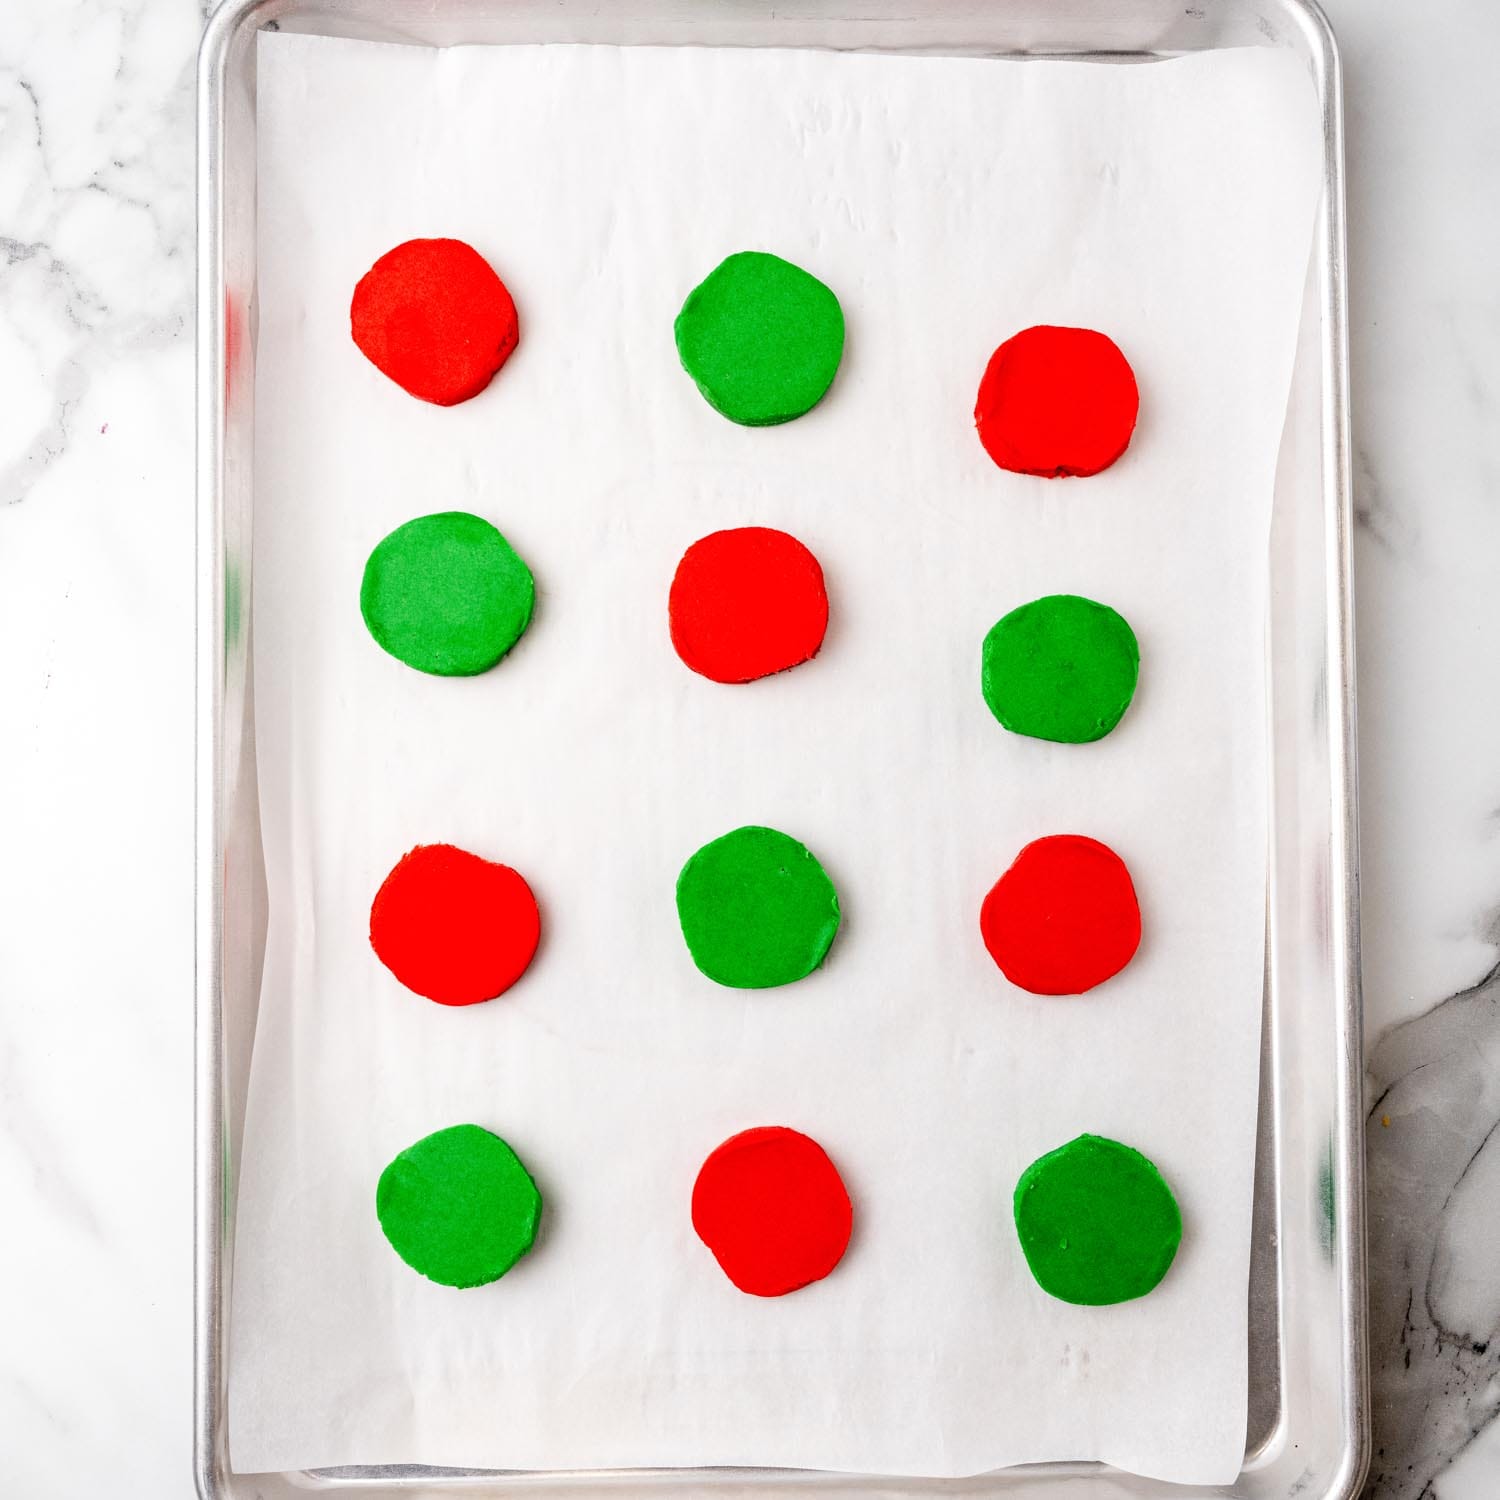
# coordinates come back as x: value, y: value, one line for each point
x: 454, y: 927
x: 1063, y: 918
x: 773, y: 1209
x: 746, y: 603
x: 1056, y: 401
x: 435, y: 317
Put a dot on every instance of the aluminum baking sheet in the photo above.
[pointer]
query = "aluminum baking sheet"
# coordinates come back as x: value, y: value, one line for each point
x: 1292, y: 629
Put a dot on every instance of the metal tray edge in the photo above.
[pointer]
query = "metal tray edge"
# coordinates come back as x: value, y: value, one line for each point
x: 227, y: 26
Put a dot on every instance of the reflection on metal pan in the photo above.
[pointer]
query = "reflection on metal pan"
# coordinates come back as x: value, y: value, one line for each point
x: 1308, y: 1418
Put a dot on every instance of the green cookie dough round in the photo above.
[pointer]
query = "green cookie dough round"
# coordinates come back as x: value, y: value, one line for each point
x: 1060, y: 668
x: 762, y: 338
x: 1096, y: 1221
x: 458, y: 1206
x: 756, y: 909
x: 446, y: 594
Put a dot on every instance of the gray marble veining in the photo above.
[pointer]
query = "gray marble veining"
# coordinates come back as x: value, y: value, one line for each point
x: 1434, y: 1184
x: 96, y: 250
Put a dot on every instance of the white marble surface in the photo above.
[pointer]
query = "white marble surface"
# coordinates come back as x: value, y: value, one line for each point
x: 96, y: 577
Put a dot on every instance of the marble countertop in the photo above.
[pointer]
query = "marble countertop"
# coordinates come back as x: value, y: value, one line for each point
x: 96, y: 675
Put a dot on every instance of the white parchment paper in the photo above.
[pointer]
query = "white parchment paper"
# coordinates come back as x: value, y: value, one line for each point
x: 949, y: 203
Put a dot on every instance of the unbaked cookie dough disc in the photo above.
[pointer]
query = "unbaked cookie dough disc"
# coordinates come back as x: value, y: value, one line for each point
x: 1063, y: 918
x: 762, y: 338
x: 1057, y: 401
x: 746, y: 603
x: 435, y: 317
x: 446, y: 594
x: 1097, y: 1222
x: 756, y: 909
x: 773, y: 1209
x: 453, y: 927
x: 458, y: 1206
x: 1060, y: 668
